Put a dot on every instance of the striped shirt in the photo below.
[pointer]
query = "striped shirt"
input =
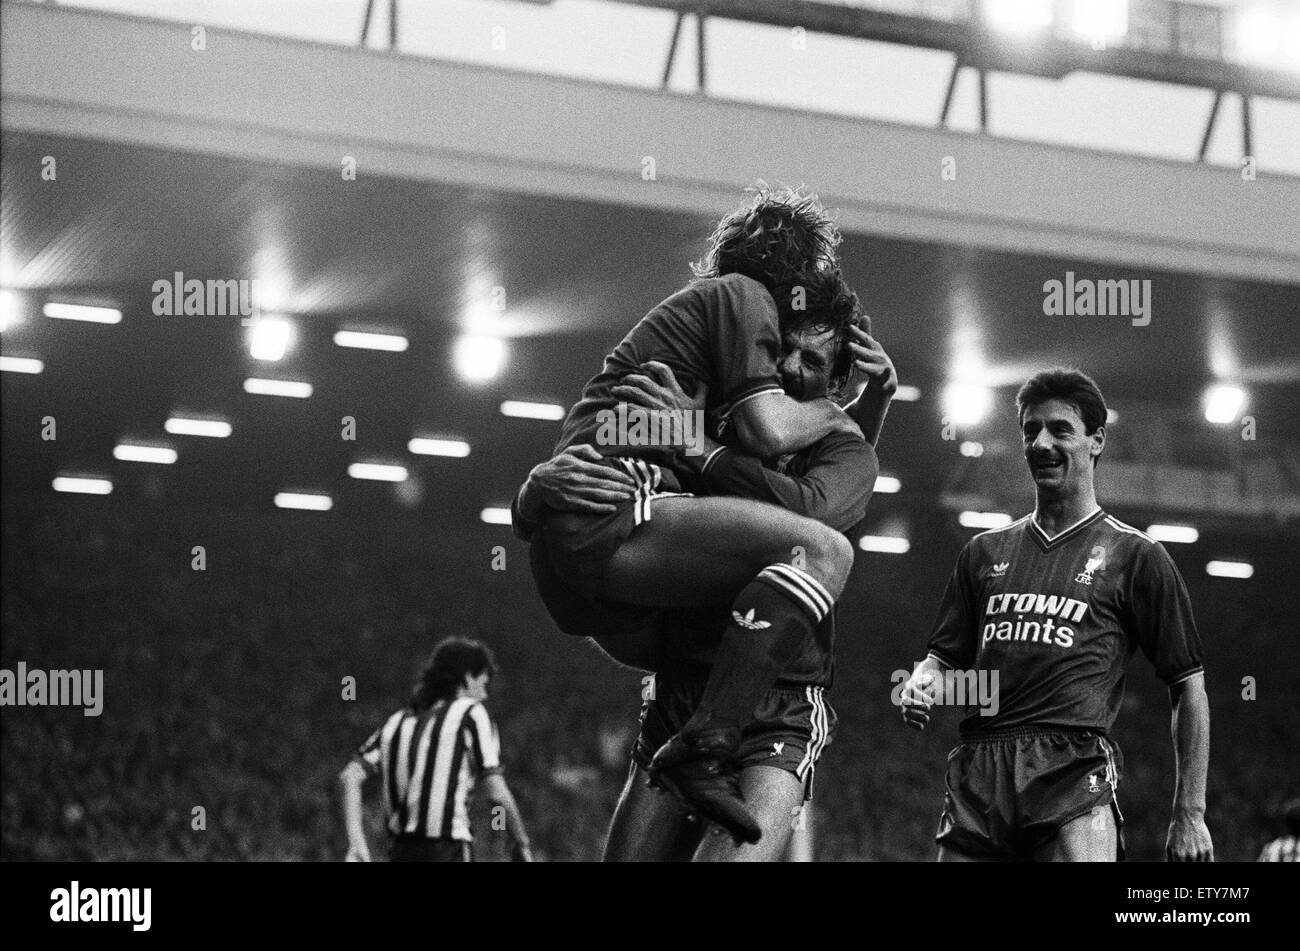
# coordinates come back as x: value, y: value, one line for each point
x: 429, y: 762
x: 1285, y: 849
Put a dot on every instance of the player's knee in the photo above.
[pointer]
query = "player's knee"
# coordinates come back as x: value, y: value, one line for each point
x: 829, y: 556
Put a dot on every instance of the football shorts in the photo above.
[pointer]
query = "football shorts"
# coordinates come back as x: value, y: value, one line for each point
x: 1009, y: 793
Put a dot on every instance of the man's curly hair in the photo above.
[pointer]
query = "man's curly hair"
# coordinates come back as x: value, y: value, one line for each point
x: 780, y: 237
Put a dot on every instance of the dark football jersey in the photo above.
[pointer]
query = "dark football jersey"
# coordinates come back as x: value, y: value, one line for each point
x: 721, y: 331
x: 1056, y: 620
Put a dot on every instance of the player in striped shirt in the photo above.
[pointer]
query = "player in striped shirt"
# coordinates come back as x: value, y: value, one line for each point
x: 1054, y: 605
x: 428, y: 756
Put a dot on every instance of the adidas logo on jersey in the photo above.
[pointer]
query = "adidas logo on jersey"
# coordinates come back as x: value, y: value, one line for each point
x: 999, y: 569
x: 747, y: 620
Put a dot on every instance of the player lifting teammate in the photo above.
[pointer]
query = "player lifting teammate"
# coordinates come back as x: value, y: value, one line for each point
x: 1056, y: 603
x: 607, y: 574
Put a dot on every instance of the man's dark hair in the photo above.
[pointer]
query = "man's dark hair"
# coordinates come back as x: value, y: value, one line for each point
x: 778, y: 239
x: 823, y: 301
x: 1069, y: 386
x: 444, y: 672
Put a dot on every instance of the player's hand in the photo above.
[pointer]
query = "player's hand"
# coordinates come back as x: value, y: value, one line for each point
x: 358, y: 855
x: 656, y: 388
x: 871, y: 364
x: 918, y: 698
x: 581, y: 480
x: 1189, y: 839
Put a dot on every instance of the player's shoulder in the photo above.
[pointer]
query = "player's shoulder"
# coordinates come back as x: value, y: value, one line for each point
x: 1126, y: 539
x: 994, y: 539
x: 734, y: 287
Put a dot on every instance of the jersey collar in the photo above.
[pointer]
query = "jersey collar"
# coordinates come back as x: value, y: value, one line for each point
x: 1047, y: 543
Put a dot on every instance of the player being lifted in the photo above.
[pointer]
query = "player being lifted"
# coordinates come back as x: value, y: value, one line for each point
x: 830, y: 481
x: 606, y: 573
x: 1056, y: 603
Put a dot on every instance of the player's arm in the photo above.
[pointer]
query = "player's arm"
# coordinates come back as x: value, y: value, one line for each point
x: 498, y: 792
x: 579, y: 479
x: 351, y: 782
x: 833, y: 489
x: 772, y: 424
x: 1189, y: 839
x: 487, y: 751
x: 875, y: 373
x: 1161, y: 613
x: 952, y: 644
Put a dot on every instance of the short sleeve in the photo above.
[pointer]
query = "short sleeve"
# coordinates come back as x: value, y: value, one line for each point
x: 745, y: 341
x: 484, y: 739
x: 1162, y: 616
x: 953, y: 639
x: 370, y: 752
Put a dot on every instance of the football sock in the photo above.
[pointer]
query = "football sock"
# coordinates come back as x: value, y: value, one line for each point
x: 770, y: 620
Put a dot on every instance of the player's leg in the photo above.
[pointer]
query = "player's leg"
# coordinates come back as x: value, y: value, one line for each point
x: 785, y: 572
x: 775, y: 798
x: 1091, y: 837
x: 696, y: 552
x: 649, y: 825
x: 780, y: 572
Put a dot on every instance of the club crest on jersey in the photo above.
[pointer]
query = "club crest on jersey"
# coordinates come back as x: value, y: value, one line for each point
x: 1093, y: 785
x: 747, y: 620
x: 1096, y: 562
x: 999, y: 569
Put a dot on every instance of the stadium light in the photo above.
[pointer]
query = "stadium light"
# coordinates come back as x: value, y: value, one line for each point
x: 479, y: 359
x: 95, y: 315
x: 10, y: 309
x: 525, y: 410
x: 907, y: 394
x: 21, y: 365
x: 452, y: 448
x: 1258, y: 34
x: 377, y: 472
x: 130, y: 452
x: 495, y: 516
x: 887, y: 485
x: 984, y: 520
x: 361, y: 340
x: 1178, y: 534
x: 1105, y: 20
x: 1230, y: 569
x: 1223, y: 403
x: 971, y: 449
x: 1112, y: 417
x: 290, y: 388
x: 885, y: 544
x: 304, y: 500
x: 1019, y: 17
x: 269, y: 338
x: 967, y: 404
x: 182, y: 426
x: 82, y: 486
